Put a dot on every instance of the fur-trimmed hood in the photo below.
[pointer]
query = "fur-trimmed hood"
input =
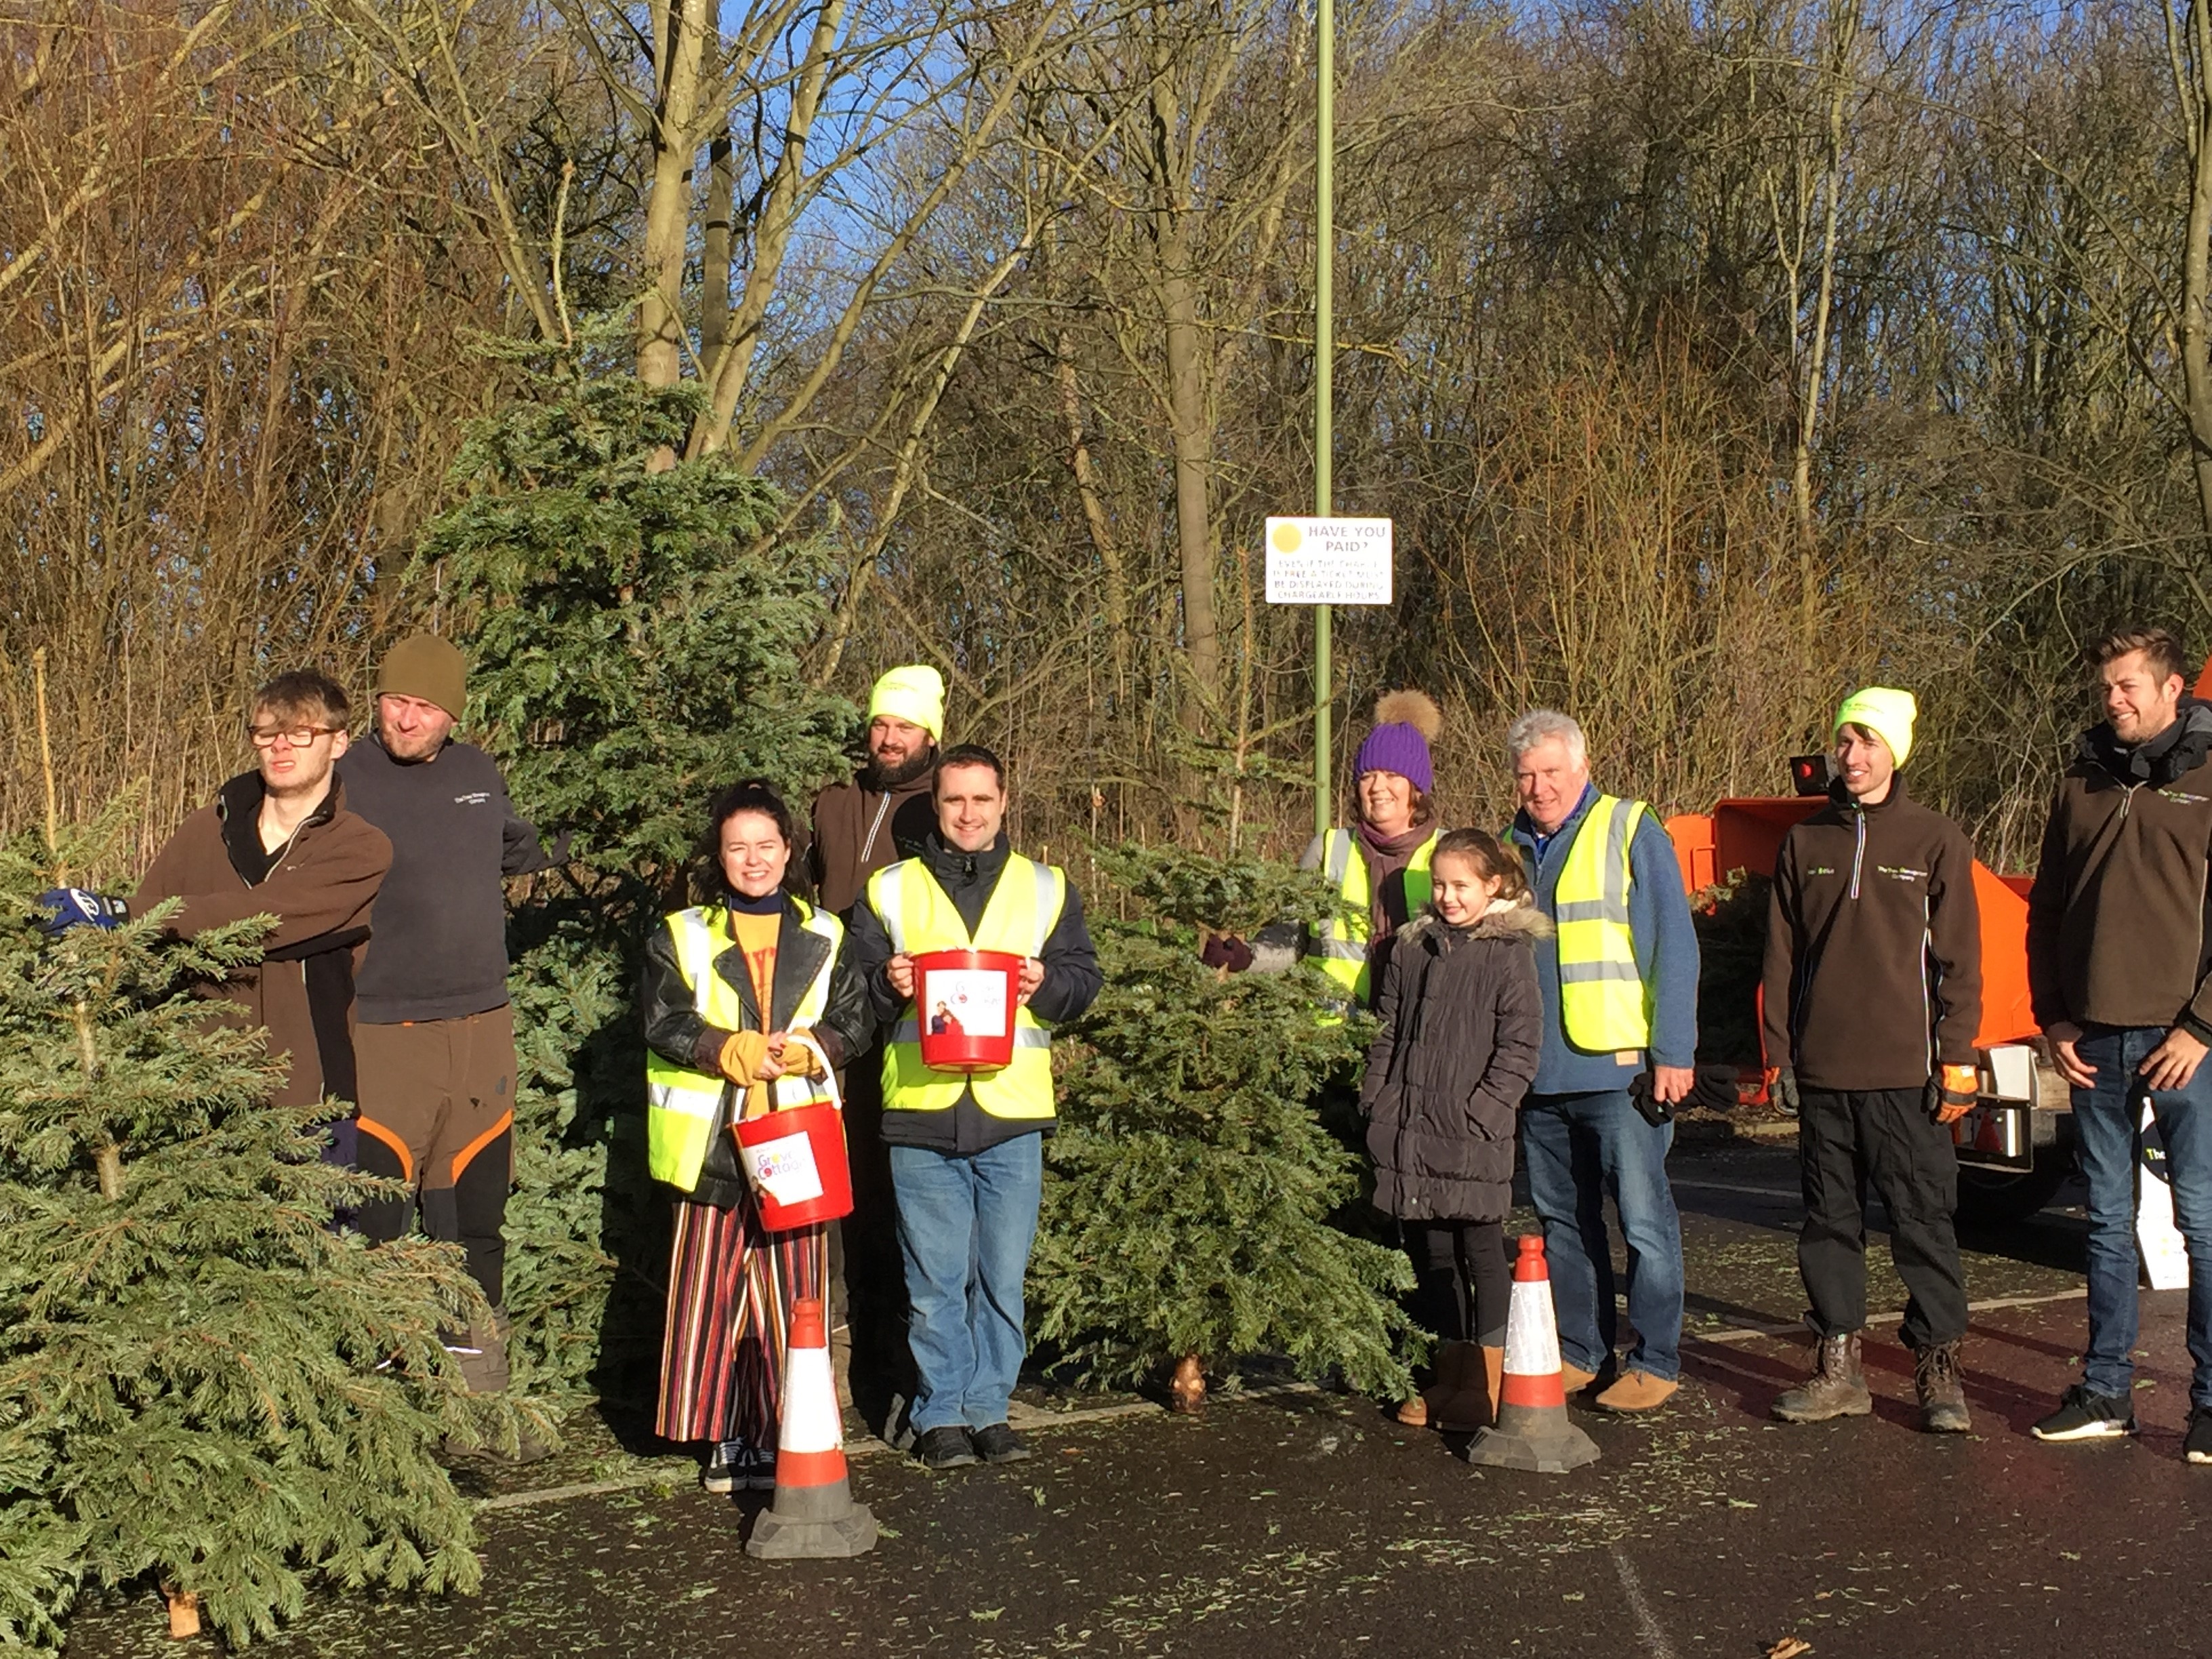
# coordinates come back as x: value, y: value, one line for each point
x: 1521, y: 919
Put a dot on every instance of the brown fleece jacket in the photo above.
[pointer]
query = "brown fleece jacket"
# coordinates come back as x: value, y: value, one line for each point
x: 2116, y: 922
x: 857, y: 831
x: 319, y: 888
x: 1874, y: 947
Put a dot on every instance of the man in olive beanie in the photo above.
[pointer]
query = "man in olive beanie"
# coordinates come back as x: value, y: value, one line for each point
x: 434, y: 1036
x: 1872, y: 996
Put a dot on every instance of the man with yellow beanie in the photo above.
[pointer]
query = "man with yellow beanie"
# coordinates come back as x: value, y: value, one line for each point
x: 1873, y: 995
x: 885, y: 813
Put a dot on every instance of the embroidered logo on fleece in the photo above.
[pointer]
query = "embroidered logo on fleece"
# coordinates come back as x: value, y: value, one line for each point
x: 475, y: 797
x: 2182, y: 798
x: 1901, y: 872
x: 1820, y: 869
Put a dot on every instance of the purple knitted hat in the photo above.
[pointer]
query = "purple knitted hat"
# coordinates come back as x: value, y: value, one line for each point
x: 1404, y: 723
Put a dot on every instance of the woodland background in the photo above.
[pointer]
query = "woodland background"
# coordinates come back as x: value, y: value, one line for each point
x: 1711, y: 356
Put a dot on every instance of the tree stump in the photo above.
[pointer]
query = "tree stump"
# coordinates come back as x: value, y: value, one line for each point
x: 1187, y: 1388
x: 184, y: 1614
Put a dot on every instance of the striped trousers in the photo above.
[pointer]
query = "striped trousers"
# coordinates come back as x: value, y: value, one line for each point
x: 730, y: 1284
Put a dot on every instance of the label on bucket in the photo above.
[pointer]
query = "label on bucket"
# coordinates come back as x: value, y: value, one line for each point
x: 785, y: 1169
x: 967, y: 1002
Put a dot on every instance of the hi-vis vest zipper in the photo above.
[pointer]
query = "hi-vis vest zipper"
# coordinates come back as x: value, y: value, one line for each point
x: 684, y: 1107
x: 1340, y: 946
x: 920, y: 917
x: 1604, y: 1004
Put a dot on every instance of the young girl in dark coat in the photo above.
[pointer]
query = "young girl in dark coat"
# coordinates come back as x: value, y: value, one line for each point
x: 1461, y: 1026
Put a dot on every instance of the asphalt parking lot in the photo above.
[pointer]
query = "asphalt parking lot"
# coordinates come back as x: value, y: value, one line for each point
x: 1294, y: 1521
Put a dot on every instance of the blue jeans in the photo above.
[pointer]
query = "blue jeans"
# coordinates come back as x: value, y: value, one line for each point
x: 1576, y: 1149
x: 965, y: 1225
x: 2105, y: 1122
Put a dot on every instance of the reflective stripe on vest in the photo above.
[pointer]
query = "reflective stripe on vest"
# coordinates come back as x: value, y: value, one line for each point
x: 1604, y: 1005
x: 920, y: 917
x: 683, y: 1106
x: 1339, y: 947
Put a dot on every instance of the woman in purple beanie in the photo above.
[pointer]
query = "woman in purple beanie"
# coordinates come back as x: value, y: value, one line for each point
x: 1381, y: 864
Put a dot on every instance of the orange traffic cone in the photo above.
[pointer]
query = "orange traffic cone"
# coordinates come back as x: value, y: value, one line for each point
x: 1531, y: 1430
x: 814, y: 1514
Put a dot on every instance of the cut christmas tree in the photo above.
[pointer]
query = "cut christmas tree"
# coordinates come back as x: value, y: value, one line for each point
x: 1188, y: 1191
x: 633, y: 643
x: 201, y: 1384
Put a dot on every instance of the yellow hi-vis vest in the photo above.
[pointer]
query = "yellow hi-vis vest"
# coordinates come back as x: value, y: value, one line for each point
x: 1604, y: 1004
x: 684, y: 1107
x: 920, y: 917
x: 1340, y: 946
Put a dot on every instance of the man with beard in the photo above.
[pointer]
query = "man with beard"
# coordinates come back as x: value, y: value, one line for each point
x: 435, y: 1032
x: 882, y: 815
x: 2120, y: 964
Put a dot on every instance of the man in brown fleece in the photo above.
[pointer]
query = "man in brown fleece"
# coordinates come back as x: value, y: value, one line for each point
x: 2117, y: 951
x: 279, y: 840
x: 885, y: 813
x: 1873, y: 995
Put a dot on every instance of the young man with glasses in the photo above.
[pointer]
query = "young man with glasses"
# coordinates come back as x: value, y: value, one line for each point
x: 278, y: 840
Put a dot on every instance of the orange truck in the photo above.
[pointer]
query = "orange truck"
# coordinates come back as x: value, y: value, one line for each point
x: 2016, y: 1147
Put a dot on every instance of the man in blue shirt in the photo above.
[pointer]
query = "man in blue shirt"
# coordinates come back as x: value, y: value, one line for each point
x: 1607, y: 1023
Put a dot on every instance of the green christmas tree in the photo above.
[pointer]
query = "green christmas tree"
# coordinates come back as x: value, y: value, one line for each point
x: 1189, y: 1190
x: 201, y: 1380
x: 633, y: 649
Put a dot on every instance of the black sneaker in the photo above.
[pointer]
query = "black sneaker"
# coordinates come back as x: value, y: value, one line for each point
x: 724, y: 1467
x: 2082, y: 1415
x: 760, y: 1473
x: 2197, y: 1447
x: 944, y: 1448
x: 999, y: 1444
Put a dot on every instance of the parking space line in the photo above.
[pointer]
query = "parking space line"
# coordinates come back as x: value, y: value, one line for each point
x: 1796, y: 1326
x: 1647, y: 1622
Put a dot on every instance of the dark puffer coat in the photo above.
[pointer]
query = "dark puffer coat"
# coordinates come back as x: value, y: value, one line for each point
x: 1462, y: 1026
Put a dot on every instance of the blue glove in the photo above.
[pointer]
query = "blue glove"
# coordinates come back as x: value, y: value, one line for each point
x: 79, y: 907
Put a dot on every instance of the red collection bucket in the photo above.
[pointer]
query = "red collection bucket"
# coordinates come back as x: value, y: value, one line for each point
x: 795, y: 1161
x: 965, y: 1002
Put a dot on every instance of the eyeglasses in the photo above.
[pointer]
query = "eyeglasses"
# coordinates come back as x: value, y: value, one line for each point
x: 299, y: 737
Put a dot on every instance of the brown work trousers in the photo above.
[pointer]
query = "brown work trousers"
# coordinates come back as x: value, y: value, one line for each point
x: 437, y: 1111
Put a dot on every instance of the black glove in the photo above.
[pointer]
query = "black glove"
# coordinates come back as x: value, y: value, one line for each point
x: 80, y: 906
x: 1226, y: 951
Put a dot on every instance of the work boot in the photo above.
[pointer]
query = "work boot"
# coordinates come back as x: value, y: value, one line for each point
x: 1837, y: 1386
x: 1942, y: 1396
x: 1465, y: 1409
x: 1636, y: 1391
x: 481, y: 1353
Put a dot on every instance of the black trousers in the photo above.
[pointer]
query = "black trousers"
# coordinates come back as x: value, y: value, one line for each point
x: 1462, y: 1286
x: 1885, y: 1138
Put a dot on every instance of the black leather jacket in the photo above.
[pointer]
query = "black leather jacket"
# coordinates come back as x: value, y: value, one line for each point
x: 674, y: 1031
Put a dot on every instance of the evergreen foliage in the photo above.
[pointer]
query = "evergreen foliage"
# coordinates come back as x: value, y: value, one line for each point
x: 200, y: 1380
x: 1189, y: 1188
x: 632, y: 651
x: 1220, y: 896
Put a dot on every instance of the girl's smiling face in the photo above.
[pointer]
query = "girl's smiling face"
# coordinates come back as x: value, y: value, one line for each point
x: 1462, y: 893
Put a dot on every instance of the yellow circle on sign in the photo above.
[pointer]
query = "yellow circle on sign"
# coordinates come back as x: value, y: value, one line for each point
x: 1288, y: 538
